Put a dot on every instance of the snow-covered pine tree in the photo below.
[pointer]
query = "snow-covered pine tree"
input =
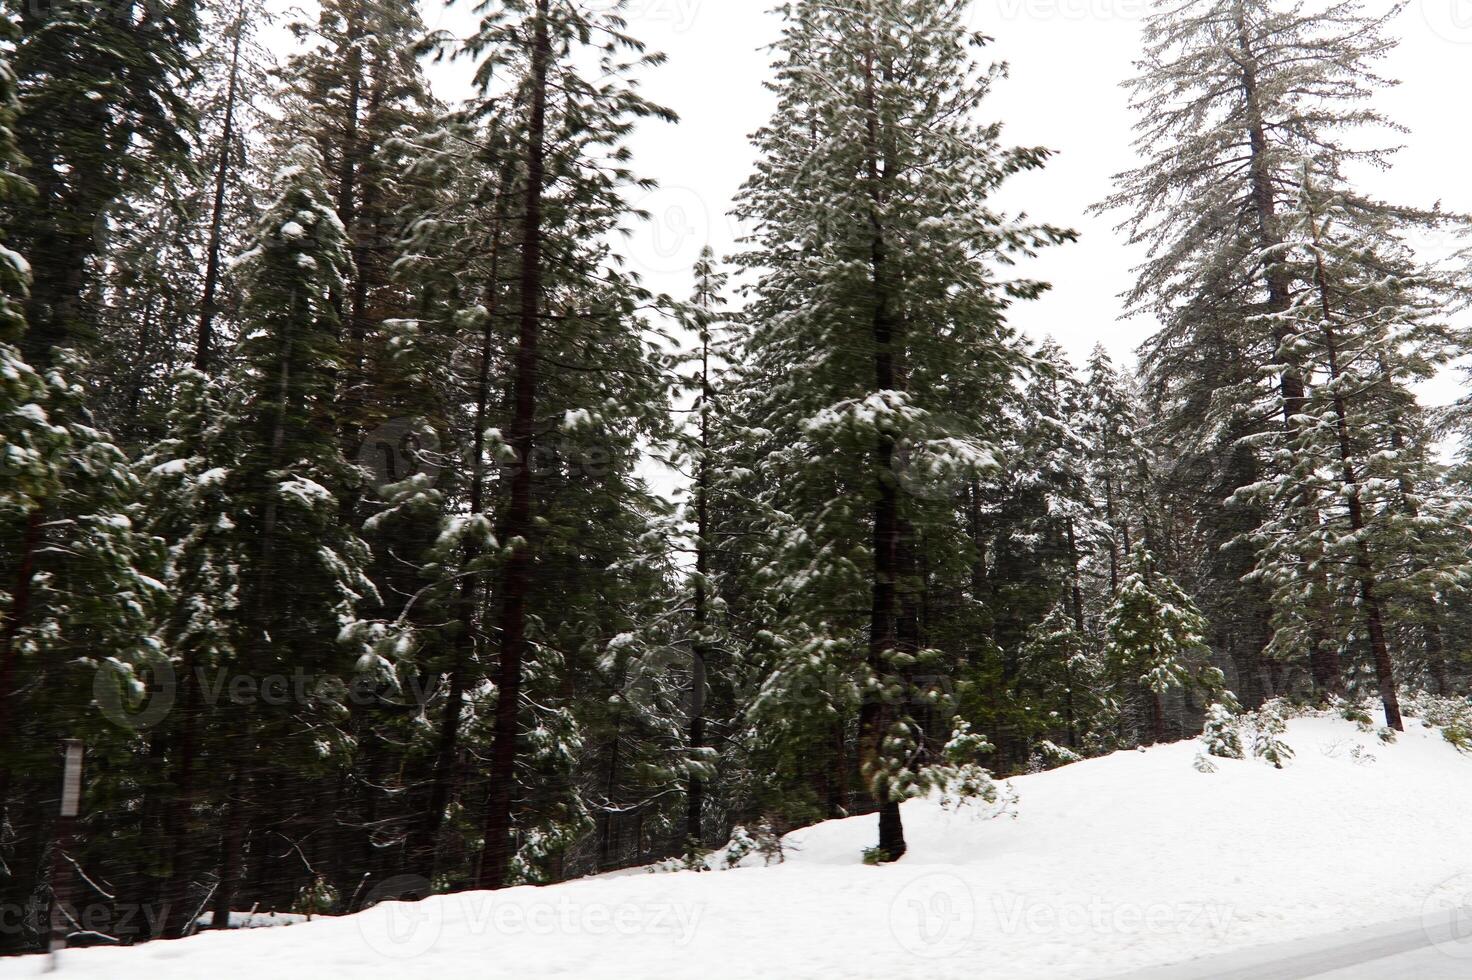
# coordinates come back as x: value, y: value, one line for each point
x: 103, y: 113
x: 696, y: 456
x: 358, y: 92
x: 164, y: 298
x: 1157, y: 641
x: 1065, y: 684
x: 879, y: 355
x: 76, y: 601
x: 1220, y: 735
x: 234, y: 70
x: 30, y: 451
x: 1043, y: 532
x: 187, y: 499
x: 1110, y: 429
x: 28, y: 444
x: 586, y: 385
x: 1355, y: 488
x: 1230, y: 96
x: 299, y: 567
x: 432, y: 533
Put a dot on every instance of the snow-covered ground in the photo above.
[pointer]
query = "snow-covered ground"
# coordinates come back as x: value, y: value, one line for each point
x: 1109, y: 865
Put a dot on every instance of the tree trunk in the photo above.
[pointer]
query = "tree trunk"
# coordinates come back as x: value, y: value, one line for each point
x: 1327, y: 673
x: 425, y: 845
x: 205, y: 338
x: 516, y: 582
x: 232, y: 839
x: 1369, y: 586
x: 876, y: 715
x: 695, y: 793
x: 178, y: 833
x: 20, y: 606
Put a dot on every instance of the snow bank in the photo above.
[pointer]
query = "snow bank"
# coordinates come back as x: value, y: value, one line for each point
x: 1117, y: 863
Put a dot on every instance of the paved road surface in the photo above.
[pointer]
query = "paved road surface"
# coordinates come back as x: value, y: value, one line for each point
x: 1411, y: 949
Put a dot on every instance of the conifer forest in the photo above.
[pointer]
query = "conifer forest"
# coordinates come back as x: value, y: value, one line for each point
x: 381, y: 531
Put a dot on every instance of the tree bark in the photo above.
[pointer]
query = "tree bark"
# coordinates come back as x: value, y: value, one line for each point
x: 205, y: 336
x: 1369, y: 586
x: 20, y: 606
x: 424, y: 847
x: 876, y: 715
x: 1323, y: 664
x: 516, y: 582
x: 695, y: 790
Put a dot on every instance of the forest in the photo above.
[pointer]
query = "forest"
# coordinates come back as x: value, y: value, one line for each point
x: 381, y: 533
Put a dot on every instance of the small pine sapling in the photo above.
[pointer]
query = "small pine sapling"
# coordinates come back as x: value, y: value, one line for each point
x: 1220, y: 736
x: 1268, y: 729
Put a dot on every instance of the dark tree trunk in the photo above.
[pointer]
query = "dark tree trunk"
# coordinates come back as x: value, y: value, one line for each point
x: 876, y: 715
x: 205, y: 338
x: 1076, y: 591
x: 20, y: 851
x: 178, y: 833
x: 425, y: 843
x: 1323, y: 664
x: 1369, y: 586
x: 695, y: 791
x: 1111, y: 515
x: 232, y: 851
x: 20, y: 607
x: 517, y: 579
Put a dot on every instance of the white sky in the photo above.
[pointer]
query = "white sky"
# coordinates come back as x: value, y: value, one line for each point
x: 1067, y: 59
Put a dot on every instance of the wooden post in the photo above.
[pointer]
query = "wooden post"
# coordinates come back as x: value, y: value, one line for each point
x: 61, y: 877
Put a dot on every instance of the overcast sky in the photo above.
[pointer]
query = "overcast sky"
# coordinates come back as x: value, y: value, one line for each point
x: 1067, y: 59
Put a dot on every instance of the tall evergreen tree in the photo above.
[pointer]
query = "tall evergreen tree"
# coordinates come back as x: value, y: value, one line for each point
x: 78, y: 596
x: 266, y: 559
x: 1348, y: 489
x: 103, y: 113
x: 564, y: 299
x: 878, y: 336
x: 358, y: 92
x: 1231, y: 96
x: 163, y: 296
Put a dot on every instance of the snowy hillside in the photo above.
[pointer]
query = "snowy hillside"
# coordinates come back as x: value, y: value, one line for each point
x: 1109, y: 865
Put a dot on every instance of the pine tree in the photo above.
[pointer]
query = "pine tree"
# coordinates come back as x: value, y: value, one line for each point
x: 358, y: 92
x: 1348, y: 489
x: 697, y: 458
x: 1042, y: 532
x: 299, y: 569
x: 163, y: 296
x: 1231, y: 96
x: 1157, y: 640
x: 1068, y: 691
x: 77, y: 598
x: 103, y: 114
x: 1220, y: 735
x: 879, y: 341
x: 564, y: 298
x: 188, y: 500
x: 238, y: 62
x: 1110, y: 428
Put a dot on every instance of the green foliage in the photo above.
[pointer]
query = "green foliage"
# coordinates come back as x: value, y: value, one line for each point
x: 873, y: 373
x: 1268, y: 725
x: 1156, y: 635
x: 1220, y: 736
